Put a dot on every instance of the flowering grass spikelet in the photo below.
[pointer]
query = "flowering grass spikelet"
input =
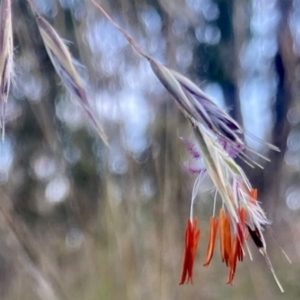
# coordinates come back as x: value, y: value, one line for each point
x: 201, y: 110
x: 62, y: 61
x: 220, y: 140
x: 6, y: 57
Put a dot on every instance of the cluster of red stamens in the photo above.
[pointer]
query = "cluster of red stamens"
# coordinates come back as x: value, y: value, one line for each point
x: 232, y: 241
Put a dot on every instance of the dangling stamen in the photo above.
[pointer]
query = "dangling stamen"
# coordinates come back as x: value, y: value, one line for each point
x: 212, y: 240
x: 225, y: 236
x: 222, y: 233
x: 233, y: 259
x: 256, y: 237
x: 238, y: 244
x: 192, y: 236
x: 227, y: 240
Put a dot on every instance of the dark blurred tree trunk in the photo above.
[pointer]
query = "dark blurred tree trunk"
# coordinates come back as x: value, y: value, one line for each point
x: 285, y: 65
x: 227, y: 49
x: 240, y: 25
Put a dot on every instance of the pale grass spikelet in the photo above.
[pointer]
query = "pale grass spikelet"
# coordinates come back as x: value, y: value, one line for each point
x: 64, y: 66
x: 200, y: 109
x: 6, y: 57
x: 237, y: 199
x: 219, y: 138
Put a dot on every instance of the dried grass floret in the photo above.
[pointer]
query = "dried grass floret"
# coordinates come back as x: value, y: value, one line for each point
x: 63, y: 64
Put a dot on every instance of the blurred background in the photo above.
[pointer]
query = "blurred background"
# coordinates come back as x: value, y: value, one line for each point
x: 81, y: 221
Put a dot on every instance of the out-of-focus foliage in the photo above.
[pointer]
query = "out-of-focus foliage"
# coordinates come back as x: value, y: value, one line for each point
x: 83, y: 221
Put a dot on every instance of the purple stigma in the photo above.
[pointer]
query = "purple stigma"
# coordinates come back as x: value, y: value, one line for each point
x: 191, y: 148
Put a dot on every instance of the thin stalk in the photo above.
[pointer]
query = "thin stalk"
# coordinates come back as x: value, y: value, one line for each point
x: 126, y: 36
